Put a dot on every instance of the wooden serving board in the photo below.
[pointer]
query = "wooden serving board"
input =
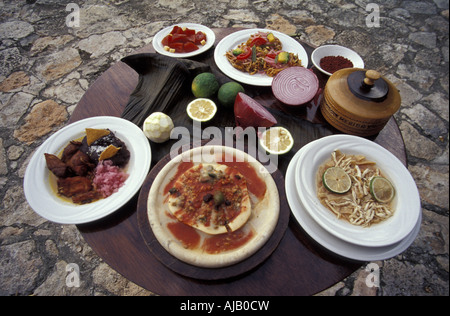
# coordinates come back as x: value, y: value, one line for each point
x: 204, y: 273
x: 298, y: 266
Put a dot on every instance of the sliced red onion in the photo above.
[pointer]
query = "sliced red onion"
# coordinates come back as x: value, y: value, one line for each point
x: 295, y: 86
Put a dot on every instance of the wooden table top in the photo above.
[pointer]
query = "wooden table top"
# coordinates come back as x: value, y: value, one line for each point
x: 298, y: 266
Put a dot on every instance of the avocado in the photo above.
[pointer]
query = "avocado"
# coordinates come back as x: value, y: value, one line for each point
x: 237, y: 52
x: 270, y: 37
x: 282, y: 58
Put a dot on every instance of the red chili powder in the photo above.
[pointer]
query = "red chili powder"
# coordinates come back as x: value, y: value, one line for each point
x: 332, y: 64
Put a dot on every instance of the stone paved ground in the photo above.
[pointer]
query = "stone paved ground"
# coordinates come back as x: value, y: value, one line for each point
x: 46, y: 66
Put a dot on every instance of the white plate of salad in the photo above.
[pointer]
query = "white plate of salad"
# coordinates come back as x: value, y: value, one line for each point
x: 239, y: 45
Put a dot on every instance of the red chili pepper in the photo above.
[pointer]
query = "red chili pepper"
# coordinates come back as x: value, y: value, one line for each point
x: 246, y: 54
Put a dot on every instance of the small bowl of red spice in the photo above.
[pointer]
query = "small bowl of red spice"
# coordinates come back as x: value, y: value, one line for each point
x: 331, y: 58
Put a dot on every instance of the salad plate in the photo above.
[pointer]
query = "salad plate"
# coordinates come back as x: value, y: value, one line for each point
x: 233, y: 40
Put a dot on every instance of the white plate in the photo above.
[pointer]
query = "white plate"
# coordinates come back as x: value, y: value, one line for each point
x: 210, y: 39
x: 233, y: 40
x: 329, y: 241
x: 406, y: 203
x: 47, y: 204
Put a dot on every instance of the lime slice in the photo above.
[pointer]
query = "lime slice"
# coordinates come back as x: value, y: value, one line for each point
x: 201, y: 110
x: 382, y: 189
x: 277, y: 140
x: 336, y: 180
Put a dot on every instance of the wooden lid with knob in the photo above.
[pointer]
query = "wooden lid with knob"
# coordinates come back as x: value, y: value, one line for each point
x: 368, y: 85
x: 371, y: 77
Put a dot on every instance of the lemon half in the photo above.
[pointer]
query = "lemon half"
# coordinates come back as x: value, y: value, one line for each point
x: 277, y: 140
x: 201, y: 110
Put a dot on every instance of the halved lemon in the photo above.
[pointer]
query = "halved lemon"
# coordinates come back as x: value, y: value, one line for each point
x: 277, y: 140
x: 201, y: 110
x: 336, y: 180
x: 382, y: 189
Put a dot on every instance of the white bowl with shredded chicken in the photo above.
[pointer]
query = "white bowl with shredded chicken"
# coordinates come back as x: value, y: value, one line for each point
x: 406, y: 204
x: 329, y: 241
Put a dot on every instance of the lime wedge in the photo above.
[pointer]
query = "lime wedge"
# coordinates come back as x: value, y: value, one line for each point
x: 382, y: 189
x: 336, y: 180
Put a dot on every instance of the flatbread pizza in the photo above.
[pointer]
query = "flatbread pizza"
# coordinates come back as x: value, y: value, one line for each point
x: 212, y: 198
x: 213, y: 206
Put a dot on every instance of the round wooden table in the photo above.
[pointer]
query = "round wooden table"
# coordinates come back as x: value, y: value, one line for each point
x: 298, y: 266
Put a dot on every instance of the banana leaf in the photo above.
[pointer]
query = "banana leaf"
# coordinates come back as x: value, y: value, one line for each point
x: 164, y: 85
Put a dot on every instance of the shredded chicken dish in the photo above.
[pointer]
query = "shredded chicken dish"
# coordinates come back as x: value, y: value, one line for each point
x: 358, y: 206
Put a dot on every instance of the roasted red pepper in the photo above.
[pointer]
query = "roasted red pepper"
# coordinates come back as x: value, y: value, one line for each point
x: 199, y: 37
x: 167, y: 40
x: 177, y: 46
x: 189, y: 47
x: 176, y: 29
x: 184, y: 40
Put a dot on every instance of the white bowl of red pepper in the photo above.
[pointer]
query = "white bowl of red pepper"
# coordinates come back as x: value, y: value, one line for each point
x: 331, y: 58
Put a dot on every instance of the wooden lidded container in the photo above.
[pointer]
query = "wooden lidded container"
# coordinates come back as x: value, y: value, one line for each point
x: 359, y: 102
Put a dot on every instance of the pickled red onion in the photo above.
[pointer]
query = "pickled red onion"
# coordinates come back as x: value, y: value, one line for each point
x: 295, y: 86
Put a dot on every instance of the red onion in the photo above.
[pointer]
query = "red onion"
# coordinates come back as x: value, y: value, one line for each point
x: 248, y: 113
x: 295, y: 86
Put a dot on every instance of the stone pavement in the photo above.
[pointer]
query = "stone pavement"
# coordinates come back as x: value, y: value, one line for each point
x: 46, y: 66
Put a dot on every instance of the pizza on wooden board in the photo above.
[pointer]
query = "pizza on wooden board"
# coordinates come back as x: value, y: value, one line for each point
x: 213, y: 206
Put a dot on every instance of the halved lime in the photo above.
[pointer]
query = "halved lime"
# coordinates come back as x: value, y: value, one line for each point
x: 277, y: 140
x: 382, y: 189
x: 336, y: 180
x: 201, y: 110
